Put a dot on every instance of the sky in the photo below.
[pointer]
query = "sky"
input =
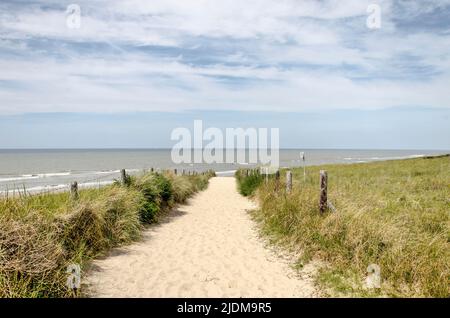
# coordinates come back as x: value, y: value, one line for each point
x: 134, y: 70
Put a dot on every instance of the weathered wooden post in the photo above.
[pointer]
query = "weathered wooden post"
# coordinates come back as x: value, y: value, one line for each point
x: 277, y: 180
x: 183, y: 172
x: 267, y: 175
x: 247, y: 172
x: 175, y: 171
x: 123, y: 177
x: 302, y: 157
x: 323, y: 191
x: 74, y: 190
x: 288, y: 181
x: 152, y: 170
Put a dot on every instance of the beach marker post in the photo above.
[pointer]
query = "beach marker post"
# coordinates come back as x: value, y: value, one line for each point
x: 266, y: 171
x: 123, y: 177
x: 323, y: 191
x: 288, y: 181
x: 74, y: 190
x: 277, y: 179
x: 302, y: 157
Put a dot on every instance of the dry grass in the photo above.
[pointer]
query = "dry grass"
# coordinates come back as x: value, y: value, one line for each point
x: 41, y: 235
x: 395, y: 214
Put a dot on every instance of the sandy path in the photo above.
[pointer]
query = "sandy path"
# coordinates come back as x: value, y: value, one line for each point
x: 208, y: 248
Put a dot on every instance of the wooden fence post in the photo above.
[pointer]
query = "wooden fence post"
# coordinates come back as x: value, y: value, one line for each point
x: 288, y: 181
x: 152, y: 170
x: 175, y: 171
x: 123, y: 177
x: 74, y: 190
x: 277, y: 180
x: 323, y: 191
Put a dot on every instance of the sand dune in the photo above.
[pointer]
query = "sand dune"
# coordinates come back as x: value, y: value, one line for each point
x: 207, y: 248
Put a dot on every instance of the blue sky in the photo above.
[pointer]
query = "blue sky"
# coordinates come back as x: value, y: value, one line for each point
x: 393, y: 128
x: 145, y: 67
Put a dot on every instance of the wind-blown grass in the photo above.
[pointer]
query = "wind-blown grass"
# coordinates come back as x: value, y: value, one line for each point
x: 395, y: 214
x: 41, y: 235
x: 248, y: 181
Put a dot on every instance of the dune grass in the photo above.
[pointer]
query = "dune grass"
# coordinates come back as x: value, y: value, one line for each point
x: 395, y: 214
x: 41, y: 235
x: 248, y: 182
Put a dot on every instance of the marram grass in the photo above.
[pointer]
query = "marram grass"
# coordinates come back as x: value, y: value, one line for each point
x: 395, y: 214
x: 41, y: 235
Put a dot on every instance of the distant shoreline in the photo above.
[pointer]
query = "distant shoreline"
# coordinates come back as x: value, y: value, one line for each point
x: 64, y: 187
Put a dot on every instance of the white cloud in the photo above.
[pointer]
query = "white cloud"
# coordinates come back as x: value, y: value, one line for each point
x: 262, y: 55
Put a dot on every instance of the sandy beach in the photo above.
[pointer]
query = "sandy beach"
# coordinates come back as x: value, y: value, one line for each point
x: 206, y: 248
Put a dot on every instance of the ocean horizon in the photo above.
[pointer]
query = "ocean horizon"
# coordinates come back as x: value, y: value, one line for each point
x: 39, y: 170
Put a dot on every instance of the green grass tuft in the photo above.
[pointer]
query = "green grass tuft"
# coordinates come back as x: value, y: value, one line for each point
x: 247, y: 184
x: 41, y: 235
x: 395, y: 214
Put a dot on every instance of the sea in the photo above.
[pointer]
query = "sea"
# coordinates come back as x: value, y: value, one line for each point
x: 42, y: 170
